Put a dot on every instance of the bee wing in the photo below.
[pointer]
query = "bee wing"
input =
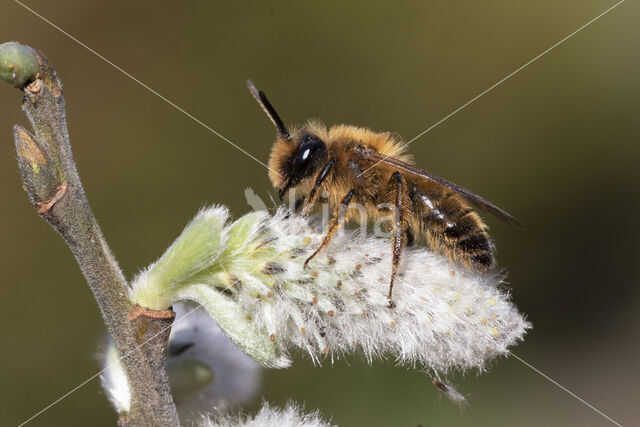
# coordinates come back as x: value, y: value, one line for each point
x: 480, y: 202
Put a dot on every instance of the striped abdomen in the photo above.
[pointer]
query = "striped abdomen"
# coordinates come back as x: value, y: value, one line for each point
x: 452, y: 228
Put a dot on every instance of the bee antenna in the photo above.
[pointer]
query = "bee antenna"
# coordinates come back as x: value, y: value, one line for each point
x: 259, y: 96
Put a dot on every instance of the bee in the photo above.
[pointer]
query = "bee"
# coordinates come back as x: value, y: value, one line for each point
x: 353, y: 164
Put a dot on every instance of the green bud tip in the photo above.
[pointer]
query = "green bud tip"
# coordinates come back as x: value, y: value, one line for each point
x: 18, y: 64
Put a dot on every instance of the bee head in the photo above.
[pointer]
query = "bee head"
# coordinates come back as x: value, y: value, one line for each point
x: 298, y: 163
x: 296, y: 158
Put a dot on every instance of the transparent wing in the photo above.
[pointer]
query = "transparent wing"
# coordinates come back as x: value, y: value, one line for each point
x: 480, y: 202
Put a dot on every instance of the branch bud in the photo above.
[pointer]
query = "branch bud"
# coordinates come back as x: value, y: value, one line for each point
x: 18, y: 64
x: 38, y: 177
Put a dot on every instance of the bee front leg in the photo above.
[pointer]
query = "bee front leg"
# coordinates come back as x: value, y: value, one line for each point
x: 313, y: 194
x: 336, y: 222
x: 398, y: 187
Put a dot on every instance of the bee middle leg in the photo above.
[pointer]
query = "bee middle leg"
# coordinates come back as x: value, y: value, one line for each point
x: 398, y: 189
x: 336, y: 222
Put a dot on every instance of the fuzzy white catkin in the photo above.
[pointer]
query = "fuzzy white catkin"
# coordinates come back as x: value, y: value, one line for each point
x: 114, y: 380
x: 289, y: 416
x: 249, y: 276
x: 206, y: 370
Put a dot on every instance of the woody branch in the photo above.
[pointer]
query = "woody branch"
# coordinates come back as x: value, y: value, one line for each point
x: 52, y: 183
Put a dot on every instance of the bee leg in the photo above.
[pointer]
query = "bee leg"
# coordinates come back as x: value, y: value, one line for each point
x: 398, y: 187
x: 336, y: 222
x: 313, y: 194
x: 299, y: 202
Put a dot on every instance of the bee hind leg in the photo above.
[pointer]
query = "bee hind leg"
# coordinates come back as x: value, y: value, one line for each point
x: 398, y: 189
x: 336, y: 222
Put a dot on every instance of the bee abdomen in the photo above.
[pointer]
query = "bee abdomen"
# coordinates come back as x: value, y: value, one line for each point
x: 453, y: 229
x: 478, y: 251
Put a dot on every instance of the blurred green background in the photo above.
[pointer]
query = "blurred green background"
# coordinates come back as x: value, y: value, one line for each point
x: 556, y: 145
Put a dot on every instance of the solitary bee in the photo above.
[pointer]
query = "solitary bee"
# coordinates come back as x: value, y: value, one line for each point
x: 354, y: 164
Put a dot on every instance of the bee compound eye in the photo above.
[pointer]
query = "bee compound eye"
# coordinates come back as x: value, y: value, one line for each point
x: 310, y: 155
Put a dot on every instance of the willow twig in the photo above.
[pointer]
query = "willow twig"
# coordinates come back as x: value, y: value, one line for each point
x: 52, y: 183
